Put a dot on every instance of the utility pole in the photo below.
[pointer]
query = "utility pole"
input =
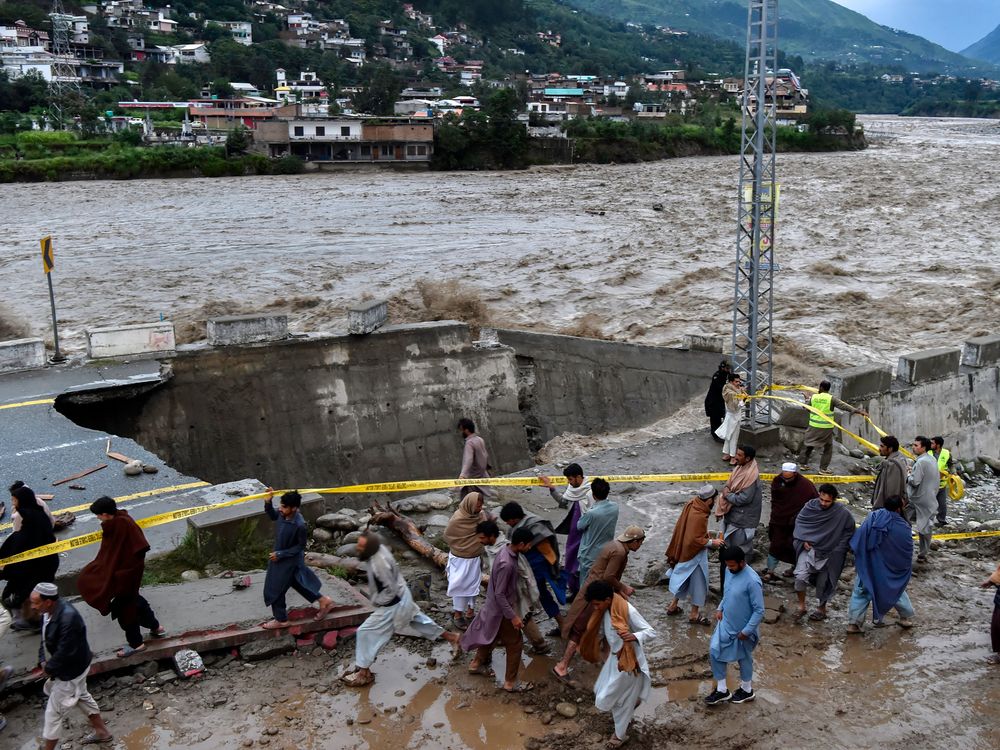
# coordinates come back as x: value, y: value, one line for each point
x: 48, y: 263
x: 64, y: 88
x: 757, y: 212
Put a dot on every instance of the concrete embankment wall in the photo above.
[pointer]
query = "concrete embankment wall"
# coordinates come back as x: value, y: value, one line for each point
x: 327, y: 410
x: 951, y: 392
x: 570, y: 384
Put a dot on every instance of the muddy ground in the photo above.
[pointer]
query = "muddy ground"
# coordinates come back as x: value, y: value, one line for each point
x: 816, y: 687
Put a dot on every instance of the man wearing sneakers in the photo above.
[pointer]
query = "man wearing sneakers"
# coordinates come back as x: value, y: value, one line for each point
x: 737, y: 633
x: 820, y: 432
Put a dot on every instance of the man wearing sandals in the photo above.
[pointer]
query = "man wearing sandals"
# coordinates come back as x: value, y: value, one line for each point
x: 395, y: 611
x: 65, y: 637
x: 499, y: 623
x: 617, y: 633
x: 110, y: 582
x: 287, y: 567
x: 823, y: 531
x: 687, y: 554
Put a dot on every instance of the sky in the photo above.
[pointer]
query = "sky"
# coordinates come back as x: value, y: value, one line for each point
x: 954, y: 24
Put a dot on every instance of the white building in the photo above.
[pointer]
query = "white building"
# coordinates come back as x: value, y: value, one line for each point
x: 241, y: 31
x: 196, y: 52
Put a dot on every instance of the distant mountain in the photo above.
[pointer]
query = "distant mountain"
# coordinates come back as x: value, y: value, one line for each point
x: 987, y: 48
x: 814, y: 29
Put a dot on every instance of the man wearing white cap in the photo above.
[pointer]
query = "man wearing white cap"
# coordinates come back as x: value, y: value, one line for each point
x: 65, y: 637
x: 790, y: 491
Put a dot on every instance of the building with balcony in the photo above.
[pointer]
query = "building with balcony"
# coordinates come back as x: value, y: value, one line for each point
x: 241, y: 31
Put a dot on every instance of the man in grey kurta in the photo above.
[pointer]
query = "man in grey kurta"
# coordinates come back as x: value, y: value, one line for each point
x: 891, y: 478
x: 922, y: 487
x: 395, y: 611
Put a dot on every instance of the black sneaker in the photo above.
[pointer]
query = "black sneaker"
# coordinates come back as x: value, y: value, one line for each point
x: 742, y: 696
x: 717, y: 696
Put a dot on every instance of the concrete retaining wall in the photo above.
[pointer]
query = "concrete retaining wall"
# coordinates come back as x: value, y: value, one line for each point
x: 21, y: 354
x: 246, y: 329
x: 132, y: 340
x: 328, y: 411
x: 570, y: 384
x: 932, y: 395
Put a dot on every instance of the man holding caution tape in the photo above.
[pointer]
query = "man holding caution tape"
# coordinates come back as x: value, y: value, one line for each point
x: 820, y: 432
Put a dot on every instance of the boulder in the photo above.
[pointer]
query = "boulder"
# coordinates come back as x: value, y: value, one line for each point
x: 568, y: 710
x: 337, y: 522
x: 190, y: 575
x: 258, y: 650
x: 322, y: 535
x: 351, y: 537
x: 347, y: 550
x: 438, y: 519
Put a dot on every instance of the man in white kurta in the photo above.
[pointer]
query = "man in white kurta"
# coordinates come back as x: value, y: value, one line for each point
x: 616, y: 691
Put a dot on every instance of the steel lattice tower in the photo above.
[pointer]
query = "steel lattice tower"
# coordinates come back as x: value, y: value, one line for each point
x: 758, y: 202
x: 64, y: 88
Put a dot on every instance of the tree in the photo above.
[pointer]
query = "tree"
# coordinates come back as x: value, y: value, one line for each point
x: 380, y: 92
x: 237, y: 141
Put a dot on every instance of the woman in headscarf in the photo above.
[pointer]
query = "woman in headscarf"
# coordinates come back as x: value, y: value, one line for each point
x: 464, y: 567
x: 22, y: 577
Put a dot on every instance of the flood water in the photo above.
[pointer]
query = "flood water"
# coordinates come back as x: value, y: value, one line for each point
x: 884, y: 251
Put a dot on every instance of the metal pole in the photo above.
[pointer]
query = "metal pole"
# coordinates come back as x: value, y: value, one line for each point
x: 57, y: 357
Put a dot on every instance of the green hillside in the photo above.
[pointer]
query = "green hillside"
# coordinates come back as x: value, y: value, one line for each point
x: 987, y: 48
x: 814, y: 29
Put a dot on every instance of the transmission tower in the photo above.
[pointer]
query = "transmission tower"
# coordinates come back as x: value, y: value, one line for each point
x: 758, y: 204
x: 64, y: 88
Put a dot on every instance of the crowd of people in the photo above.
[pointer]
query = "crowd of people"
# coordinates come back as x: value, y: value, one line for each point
x: 578, y: 585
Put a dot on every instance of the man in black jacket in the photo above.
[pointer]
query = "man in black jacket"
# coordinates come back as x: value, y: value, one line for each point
x: 64, y: 636
x: 715, y: 406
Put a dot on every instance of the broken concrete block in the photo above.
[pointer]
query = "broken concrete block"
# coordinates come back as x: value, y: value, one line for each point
x: 929, y: 364
x: 304, y: 642
x: 347, y: 632
x: 246, y: 329
x: 981, y: 351
x: 20, y: 354
x: 267, y: 649
x: 367, y: 317
x: 328, y: 640
x: 860, y: 383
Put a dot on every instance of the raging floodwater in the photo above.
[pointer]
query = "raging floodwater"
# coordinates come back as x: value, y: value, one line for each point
x: 882, y: 252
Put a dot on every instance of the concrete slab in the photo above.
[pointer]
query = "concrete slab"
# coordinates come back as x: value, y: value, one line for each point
x: 21, y: 354
x: 225, y: 524
x: 202, y: 615
x: 366, y: 317
x: 929, y: 364
x: 131, y: 340
x: 860, y: 383
x: 246, y: 329
x: 981, y: 351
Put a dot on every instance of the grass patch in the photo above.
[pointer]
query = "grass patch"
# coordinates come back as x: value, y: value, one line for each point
x: 339, y: 571
x: 247, y: 552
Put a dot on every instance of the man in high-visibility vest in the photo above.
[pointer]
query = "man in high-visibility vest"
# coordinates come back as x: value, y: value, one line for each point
x: 820, y: 432
x: 943, y: 456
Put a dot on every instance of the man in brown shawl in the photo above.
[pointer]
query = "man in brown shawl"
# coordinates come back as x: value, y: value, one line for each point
x: 891, y: 478
x: 110, y: 582
x: 464, y: 566
x: 790, y: 491
x: 687, y: 555
x: 609, y: 567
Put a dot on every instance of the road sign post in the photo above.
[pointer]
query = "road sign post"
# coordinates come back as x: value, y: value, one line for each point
x: 48, y: 263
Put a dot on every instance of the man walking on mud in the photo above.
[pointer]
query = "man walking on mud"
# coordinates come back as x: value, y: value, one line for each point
x: 819, y: 434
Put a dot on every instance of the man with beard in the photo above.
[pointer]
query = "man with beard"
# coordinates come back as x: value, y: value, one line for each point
x: 499, y: 622
x: 395, y: 611
x: 891, y: 478
x: 579, y: 498
x: 543, y: 557
x: 922, y: 486
x: 822, y: 534
x: 790, y: 491
x: 740, y: 506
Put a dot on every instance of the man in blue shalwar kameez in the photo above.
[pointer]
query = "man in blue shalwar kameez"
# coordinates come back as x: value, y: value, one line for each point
x: 287, y: 568
x: 737, y: 633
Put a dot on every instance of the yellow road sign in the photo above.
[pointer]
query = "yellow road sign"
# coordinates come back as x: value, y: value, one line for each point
x: 47, y: 258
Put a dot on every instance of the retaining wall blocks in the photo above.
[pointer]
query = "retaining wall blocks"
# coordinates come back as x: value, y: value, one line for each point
x: 247, y: 329
x: 124, y: 341
x: 928, y: 365
x: 860, y: 383
x: 21, y: 354
x: 367, y: 317
x: 981, y: 351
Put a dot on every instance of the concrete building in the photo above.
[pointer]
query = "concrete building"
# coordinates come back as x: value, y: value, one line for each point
x: 387, y: 140
x: 307, y: 86
x: 241, y: 31
x: 227, y: 114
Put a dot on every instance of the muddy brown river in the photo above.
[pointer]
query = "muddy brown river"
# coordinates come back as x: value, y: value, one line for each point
x: 884, y: 251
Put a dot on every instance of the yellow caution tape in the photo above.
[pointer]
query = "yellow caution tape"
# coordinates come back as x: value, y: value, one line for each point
x: 126, y: 498
x: 36, y: 402
x: 407, y: 486
x: 964, y: 535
